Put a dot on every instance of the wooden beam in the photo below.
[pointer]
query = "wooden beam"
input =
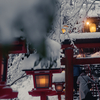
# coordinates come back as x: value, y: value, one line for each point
x: 86, y: 61
x: 82, y: 61
x: 69, y: 74
x: 86, y: 45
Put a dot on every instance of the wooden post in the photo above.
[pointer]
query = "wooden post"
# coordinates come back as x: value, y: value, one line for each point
x: 69, y: 74
x: 43, y: 96
x: 0, y: 66
x: 59, y: 96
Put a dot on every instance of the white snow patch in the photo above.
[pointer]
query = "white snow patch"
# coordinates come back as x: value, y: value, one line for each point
x: 83, y: 35
x: 59, y: 77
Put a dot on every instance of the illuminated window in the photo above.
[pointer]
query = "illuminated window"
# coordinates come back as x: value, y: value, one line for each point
x: 92, y: 27
x: 42, y: 81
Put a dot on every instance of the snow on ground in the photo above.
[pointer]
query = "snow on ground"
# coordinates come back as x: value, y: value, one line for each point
x: 23, y: 89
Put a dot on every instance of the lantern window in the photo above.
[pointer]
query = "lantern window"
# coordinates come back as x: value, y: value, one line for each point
x: 42, y: 81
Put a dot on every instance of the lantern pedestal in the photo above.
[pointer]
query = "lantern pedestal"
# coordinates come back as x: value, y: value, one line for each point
x: 7, y: 93
x: 59, y: 89
x: 59, y: 95
x: 42, y: 93
x: 2, y: 84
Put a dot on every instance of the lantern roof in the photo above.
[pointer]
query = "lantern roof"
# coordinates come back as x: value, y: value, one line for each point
x: 42, y: 69
x: 53, y: 70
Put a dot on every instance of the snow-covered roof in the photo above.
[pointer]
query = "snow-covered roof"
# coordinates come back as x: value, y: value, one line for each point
x: 80, y: 38
x: 83, y: 35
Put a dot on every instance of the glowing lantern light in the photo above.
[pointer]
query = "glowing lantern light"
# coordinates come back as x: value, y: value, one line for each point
x: 92, y: 28
x: 42, y: 81
x: 63, y: 29
x: 59, y: 87
x: 87, y: 23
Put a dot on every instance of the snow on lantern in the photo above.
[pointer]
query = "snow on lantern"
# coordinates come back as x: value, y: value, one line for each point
x: 59, y: 86
x: 59, y: 83
x: 42, y: 79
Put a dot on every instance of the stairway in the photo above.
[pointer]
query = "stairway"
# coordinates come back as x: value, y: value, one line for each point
x: 76, y: 96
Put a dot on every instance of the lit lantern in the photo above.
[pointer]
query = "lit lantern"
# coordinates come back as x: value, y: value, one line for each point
x: 64, y: 29
x: 91, y: 24
x: 59, y: 87
x: 59, y: 83
x: 92, y: 27
x: 42, y: 82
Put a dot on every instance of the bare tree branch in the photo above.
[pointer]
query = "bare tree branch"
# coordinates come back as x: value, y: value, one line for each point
x: 18, y: 79
x: 90, y: 7
x: 77, y: 11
